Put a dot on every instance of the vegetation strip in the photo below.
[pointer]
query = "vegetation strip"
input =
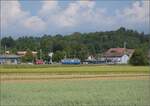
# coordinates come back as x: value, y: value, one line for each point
x: 79, y: 69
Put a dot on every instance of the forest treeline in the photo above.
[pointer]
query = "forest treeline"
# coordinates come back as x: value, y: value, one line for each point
x: 78, y: 45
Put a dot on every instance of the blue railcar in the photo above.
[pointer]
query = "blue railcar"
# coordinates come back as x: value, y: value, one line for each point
x: 70, y: 61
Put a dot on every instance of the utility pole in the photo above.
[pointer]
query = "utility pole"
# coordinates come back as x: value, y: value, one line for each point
x: 5, y: 54
x: 5, y: 50
x: 125, y: 47
x: 125, y: 43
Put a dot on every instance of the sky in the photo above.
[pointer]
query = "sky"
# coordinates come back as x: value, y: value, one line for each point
x: 36, y: 18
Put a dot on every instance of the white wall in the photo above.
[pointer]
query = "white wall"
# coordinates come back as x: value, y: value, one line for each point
x: 124, y: 59
x: 120, y: 60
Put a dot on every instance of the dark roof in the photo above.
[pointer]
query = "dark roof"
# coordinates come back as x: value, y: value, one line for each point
x: 118, y: 52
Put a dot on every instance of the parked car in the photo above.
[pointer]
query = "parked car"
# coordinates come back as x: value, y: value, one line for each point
x: 39, y: 62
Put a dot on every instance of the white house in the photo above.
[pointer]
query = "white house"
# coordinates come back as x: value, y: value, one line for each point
x: 118, y: 55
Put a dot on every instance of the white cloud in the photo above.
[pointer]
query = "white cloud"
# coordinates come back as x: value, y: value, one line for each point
x: 137, y: 13
x: 76, y: 16
x: 34, y: 23
x: 57, y: 17
x: 14, y: 19
x: 136, y: 16
x: 11, y: 13
x: 48, y: 8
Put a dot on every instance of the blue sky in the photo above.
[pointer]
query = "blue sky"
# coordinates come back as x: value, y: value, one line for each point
x: 34, y: 6
x: 21, y: 18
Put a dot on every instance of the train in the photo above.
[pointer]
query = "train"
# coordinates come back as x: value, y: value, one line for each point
x: 70, y: 61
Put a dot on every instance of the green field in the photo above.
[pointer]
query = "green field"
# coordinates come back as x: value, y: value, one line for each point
x: 76, y: 93
x: 38, y: 91
x: 73, y: 69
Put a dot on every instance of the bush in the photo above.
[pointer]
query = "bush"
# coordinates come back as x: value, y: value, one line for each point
x: 139, y: 58
x: 28, y: 57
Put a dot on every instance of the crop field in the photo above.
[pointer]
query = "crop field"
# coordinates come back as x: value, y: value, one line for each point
x: 73, y: 69
x: 76, y: 93
x: 76, y: 85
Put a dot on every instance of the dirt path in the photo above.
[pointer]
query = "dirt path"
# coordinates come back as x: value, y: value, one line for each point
x: 30, y: 77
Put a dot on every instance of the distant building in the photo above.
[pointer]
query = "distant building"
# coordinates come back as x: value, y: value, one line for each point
x: 10, y: 59
x: 90, y: 60
x: 23, y: 53
x: 117, y: 55
x: 7, y: 52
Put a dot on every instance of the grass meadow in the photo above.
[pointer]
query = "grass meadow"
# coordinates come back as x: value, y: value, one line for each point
x: 76, y: 93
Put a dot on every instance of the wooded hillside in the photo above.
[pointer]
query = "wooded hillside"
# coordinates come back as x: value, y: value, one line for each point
x: 78, y: 45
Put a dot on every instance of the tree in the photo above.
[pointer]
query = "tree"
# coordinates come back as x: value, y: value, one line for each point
x: 8, y: 42
x: 28, y: 57
x: 58, y: 55
x: 138, y: 58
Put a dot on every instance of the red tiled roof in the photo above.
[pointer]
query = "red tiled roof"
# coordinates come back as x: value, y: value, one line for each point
x: 117, y: 52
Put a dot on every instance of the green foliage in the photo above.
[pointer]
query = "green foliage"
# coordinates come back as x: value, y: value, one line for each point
x: 24, y: 43
x: 58, y: 55
x: 8, y: 42
x: 139, y: 58
x: 28, y: 57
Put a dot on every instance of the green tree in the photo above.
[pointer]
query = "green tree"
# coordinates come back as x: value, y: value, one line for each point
x: 28, y: 57
x: 138, y: 58
x: 8, y: 42
x: 58, y: 55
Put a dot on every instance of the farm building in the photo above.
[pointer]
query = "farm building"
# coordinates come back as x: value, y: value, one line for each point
x: 117, y: 55
x: 9, y: 59
x: 70, y: 61
x: 23, y: 53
